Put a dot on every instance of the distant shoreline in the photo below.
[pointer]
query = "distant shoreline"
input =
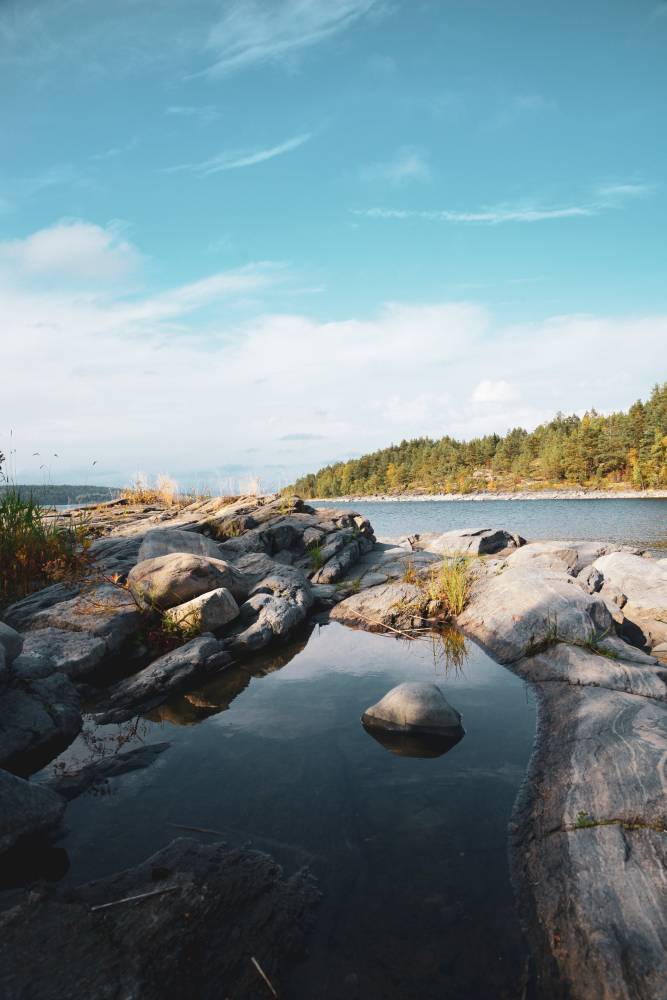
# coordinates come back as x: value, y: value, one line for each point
x: 519, y: 495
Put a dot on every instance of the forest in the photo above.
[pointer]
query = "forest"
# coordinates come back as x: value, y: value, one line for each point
x: 618, y: 451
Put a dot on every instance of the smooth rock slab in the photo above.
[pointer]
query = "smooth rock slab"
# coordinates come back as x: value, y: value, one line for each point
x: 469, y: 541
x: 170, y: 580
x: 165, y: 541
x: 578, y: 666
x: 206, y: 613
x: 76, y: 654
x: 106, y: 611
x: 413, y: 707
x: 643, y: 582
x: 26, y: 809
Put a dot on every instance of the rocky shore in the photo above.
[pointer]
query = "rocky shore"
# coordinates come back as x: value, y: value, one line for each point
x: 571, y: 494
x: 179, y: 594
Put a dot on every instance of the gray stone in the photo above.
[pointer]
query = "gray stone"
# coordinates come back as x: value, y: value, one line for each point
x: 206, y: 613
x: 644, y: 583
x: 391, y: 605
x: 338, y: 565
x: 11, y: 642
x: 167, y: 581
x: 21, y: 614
x: 193, y: 939
x: 578, y: 666
x: 76, y: 654
x: 165, y: 541
x: 474, y: 542
x: 106, y: 612
x: 414, y: 706
x: 191, y: 663
x: 283, y: 601
x: 513, y: 613
x: 571, y: 557
x: 26, y: 809
x: 38, y: 719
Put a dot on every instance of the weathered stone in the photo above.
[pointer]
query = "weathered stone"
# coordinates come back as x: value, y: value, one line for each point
x: 571, y: 557
x: 644, y: 583
x: 11, y: 642
x: 414, y: 706
x: 206, y: 613
x: 283, y: 601
x: 167, y: 581
x: 513, y: 613
x: 106, y: 611
x: 474, y: 542
x: 578, y: 666
x: 26, y: 808
x: 76, y: 654
x: 393, y: 605
x: 208, y: 910
x: 38, y: 719
x: 194, y: 661
x: 166, y: 541
x: 21, y: 614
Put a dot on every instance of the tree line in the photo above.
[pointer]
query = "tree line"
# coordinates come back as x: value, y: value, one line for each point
x: 625, y: 449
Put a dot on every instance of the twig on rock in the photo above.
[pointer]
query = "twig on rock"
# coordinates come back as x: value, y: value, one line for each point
x: 264, y: 975
x: 196, y: 829
x: 132, y: 899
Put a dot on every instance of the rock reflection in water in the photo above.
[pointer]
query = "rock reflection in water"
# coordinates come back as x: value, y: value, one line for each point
x: 412, y: 744
x: 218, y: 694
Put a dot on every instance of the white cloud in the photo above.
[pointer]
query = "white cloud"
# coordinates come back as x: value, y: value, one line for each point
x: 622, y: 191
x: 409, y: 163
x: 233, y: 160
x: 258, y: 31
x: 173, y: 381
x: 72, y: 249
x: 488, y: 391
x: 488, y: 216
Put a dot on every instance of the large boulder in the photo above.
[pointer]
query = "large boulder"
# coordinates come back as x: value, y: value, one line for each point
x: 206, y: 613
x: 166, y: 581
x: 278, y: 604
x: 166, y: 541
x: 643, y: 583
x: 26, y: 809
x: 205, y: 912
x: 398, y: 605
x: 414, y: 706
x: 191, y: 663
x: 38, y: 720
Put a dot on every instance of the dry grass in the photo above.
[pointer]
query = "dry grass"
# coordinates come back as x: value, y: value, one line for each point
x: 165, y: 490
x: 449, y: 585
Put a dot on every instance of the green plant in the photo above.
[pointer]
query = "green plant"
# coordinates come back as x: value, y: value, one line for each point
x: 448, y: 585
x: 37, y: 547
x: 187, y: 628
x: 583, y: 821
x: 314, y: 552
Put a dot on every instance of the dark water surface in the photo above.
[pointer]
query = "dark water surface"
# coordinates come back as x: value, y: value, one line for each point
x: 410, y: 853
x: 633, y: 522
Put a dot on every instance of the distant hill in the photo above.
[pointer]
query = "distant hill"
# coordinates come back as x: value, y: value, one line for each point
x: 55, y: 495
x: 622, y: 449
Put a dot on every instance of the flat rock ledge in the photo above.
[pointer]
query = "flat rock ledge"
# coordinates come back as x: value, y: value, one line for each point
x: 207, y: 913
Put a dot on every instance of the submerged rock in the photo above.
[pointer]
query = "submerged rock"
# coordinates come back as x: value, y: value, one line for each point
x: 415, y: 707
x: 38, y: 719
x: 207, y: 912
x: 70, y: 784
x: 26, y: 809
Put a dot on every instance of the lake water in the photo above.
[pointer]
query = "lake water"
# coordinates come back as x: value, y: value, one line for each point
x: 410, y: 852
x: 634, y: 522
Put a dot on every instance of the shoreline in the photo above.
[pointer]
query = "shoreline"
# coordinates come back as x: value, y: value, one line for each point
x: 480, y: 496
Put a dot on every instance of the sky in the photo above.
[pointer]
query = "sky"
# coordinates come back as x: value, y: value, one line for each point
x: 246, y: 238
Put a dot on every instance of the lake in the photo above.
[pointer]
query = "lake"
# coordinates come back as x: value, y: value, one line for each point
x: 410, y: 852
x: 633, y: 522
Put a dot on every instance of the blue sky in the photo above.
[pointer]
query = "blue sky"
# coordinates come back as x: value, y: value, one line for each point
x: 246, y: 237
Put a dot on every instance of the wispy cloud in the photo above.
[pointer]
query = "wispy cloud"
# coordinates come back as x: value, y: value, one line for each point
x: 72, y: 249
x: 605, y: 197
x: 205, y: 114
x: 409, y: 163
x: 489, y: 216
x: 234, y: 159
x: 259, y: 31
x: 114, y: 151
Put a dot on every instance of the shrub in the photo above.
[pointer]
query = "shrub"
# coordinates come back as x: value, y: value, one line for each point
x: 449, y: 585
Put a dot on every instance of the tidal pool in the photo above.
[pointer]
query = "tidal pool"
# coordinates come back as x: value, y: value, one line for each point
x: 410, y: 852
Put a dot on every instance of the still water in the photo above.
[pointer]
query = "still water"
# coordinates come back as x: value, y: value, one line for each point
x: 632, y: 522
x: 410, y: 853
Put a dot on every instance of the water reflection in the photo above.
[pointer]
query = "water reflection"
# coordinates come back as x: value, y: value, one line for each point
x: 413, y: 744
